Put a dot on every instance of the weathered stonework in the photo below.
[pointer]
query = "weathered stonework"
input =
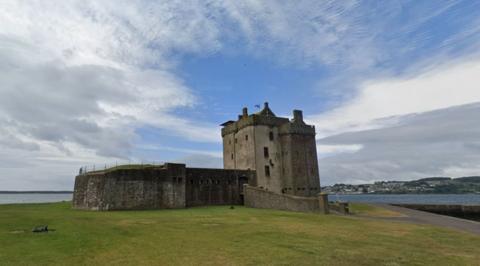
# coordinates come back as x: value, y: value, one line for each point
x: 260, y: 198
x: 159, y: 187
x: 283, y: 152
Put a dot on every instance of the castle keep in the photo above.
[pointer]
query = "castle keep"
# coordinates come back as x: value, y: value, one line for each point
x: 282, y: 152
x: 269, y: 162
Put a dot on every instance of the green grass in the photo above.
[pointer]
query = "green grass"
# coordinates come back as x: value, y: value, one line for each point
x: 220, y: 236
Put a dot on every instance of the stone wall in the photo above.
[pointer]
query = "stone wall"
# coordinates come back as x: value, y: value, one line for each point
x: 159, y: 187
x: 216, y: 186
x: 300, y: 165
x: 156, y: 187
x: 260, y: 198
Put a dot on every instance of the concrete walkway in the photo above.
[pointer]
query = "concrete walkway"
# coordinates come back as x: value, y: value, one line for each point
x: 420, y: 217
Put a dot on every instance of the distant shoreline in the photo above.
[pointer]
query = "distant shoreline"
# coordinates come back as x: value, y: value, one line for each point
x: 37, y: 192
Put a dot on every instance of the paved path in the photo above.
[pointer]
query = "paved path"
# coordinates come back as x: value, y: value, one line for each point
x: 422, y: 217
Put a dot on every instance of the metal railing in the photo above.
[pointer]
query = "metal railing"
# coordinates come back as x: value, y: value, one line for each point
x: 125, y: 165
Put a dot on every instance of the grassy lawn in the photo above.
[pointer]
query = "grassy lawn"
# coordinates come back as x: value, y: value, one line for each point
x: 220, y: 236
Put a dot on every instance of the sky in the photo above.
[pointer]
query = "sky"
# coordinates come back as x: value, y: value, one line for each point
x: 391, y: 86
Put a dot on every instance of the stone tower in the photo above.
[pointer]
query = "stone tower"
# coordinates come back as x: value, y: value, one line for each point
x: 283, y: 152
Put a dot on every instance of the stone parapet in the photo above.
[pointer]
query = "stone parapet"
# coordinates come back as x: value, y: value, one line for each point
x: 260, y: 198
x: 159, y: 187
x: 253, y: 120
x: 296, y: 128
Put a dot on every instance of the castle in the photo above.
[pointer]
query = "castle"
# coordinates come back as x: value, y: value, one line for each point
x: 269, y: 162
x: 282, y: 152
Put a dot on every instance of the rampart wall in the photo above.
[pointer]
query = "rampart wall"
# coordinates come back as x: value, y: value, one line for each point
x: 159, y: 187
x: 216, y: 186
x: 259, y: 198
x: 156, y: 187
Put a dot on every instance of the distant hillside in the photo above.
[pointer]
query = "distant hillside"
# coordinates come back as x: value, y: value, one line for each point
x: 434, y: 179
x: 472, y: 179
x: 434, y: 185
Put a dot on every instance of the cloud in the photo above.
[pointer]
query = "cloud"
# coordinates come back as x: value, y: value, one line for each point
x: 422, y: 124
x: 201, y: 160
x: 332, y: 150
x: 89, y: 73
x: 78, y: 79
x: 377, y: 102
x: 443, y: 142
x: 303, y: 32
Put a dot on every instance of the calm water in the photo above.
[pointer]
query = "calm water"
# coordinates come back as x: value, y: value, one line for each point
x: 34, y: 198
x: 464, y: 199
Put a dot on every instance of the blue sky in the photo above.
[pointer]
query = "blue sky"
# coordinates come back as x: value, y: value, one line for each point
x: 86, y: 82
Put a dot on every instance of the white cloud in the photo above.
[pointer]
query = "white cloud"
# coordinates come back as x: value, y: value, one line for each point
x: 443, y: 142
x: 304, y: 32
x: 332, y: 150
x: 379, y: 101
x: 77, y: 78
x: 411, y: 127
x: 82, y: 72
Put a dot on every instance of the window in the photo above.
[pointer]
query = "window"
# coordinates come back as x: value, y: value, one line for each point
x: 232, y: 156
x: 270, y: 135
x: 265, y: 152
x: 236, y: 140
x: 179, y: 180
x: 267, y: 170
x: 246, y: 137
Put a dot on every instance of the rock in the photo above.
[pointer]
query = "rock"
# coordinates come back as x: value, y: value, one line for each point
x: 40, y: 229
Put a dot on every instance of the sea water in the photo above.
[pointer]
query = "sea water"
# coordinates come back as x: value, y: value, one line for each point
x: 8, y: 198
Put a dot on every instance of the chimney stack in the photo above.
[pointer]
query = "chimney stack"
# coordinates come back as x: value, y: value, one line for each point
x: 245, y: 112
x: 297, y: 116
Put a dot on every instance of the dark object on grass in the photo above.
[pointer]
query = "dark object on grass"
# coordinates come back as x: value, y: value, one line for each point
x: 40, y: 229
x: 231, y: 207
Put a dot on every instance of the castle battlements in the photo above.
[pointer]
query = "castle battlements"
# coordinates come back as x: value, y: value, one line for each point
x: 268, y: 118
